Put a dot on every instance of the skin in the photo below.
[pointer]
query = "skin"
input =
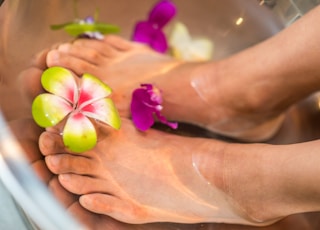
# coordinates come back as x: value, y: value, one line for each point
x: 271, y: 175
x: 259, y: 113
x: 29, y: 141
x: 107, y: 180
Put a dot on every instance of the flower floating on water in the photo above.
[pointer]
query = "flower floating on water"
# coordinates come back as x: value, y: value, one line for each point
x: 74, y: 101
x: 145, y: 105
x: 184, y: 47
x: 87, y: 28
x: 150, y: 31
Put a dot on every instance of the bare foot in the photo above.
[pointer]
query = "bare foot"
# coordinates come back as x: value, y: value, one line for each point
x: 146, y: 177
x: 29, y: 141
x: 193, y: 92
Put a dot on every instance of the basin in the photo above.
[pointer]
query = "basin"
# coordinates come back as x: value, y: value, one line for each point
x: 25, y: 31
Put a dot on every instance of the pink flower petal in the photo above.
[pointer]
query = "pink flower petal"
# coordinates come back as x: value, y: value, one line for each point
x: 92, y: 89
x: 103, y: 110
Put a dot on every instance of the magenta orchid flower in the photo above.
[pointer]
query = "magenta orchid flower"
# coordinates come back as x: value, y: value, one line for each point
x: 146, y: 105
x: 74, y: 102
x: 150, y: 31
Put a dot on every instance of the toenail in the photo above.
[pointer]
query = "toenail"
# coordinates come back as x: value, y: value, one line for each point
x: 53, y: 56
x: 52, y: 161
x: 64, y: 177
x: 86, y: 200
x: 48, y: 143
x: 64, y: 47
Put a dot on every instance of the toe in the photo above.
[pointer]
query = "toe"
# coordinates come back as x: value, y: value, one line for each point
x: 50, y: 143
x: 79, y: 184
x: 88, y: 54
x: 74, y: 63
x: 114, y: 207
x: 65, y: 197
x: 103, y: 48
x: 39, y: 59
x: 68, y: 163
x: 119, y: 43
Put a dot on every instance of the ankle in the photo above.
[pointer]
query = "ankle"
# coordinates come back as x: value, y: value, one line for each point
x: 254, y: 182
x: 248, y: 178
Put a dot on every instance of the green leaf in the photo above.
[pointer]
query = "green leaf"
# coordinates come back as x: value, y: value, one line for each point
x: 75, y: 29
x: 60, y: 26
x: 79, y: 134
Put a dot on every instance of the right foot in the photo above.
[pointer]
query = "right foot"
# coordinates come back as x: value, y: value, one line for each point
x: 124, y: 65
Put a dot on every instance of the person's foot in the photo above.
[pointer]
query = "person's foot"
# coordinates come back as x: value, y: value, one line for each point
x: 192, y: 92
x: 29, y: 142
x: 138, y: 177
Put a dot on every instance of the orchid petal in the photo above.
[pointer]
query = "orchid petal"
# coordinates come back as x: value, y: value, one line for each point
x: 61, y: 82
x: 145, y: 33
x: 103, y: 110
x: 48, y: 109
x: 145, y: 105
x: 159, y: 43
x: 163, y: 120
x: 185, y: 48
x: 201, y: 49
x: 89, y: 20
x: 79, y: 134
x: 142, y: 114
x: 179, y: 31
x: 162, y: 13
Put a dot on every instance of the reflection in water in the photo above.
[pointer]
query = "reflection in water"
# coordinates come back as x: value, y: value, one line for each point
x: 232, y: 25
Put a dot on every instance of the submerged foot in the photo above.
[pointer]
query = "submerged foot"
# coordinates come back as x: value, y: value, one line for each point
x: 124, y: 65
x: 119, y: 177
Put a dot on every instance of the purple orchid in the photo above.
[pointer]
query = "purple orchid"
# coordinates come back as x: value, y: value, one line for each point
x: 90, y: 34
x: 150, y: 31
x: 146, y: 103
